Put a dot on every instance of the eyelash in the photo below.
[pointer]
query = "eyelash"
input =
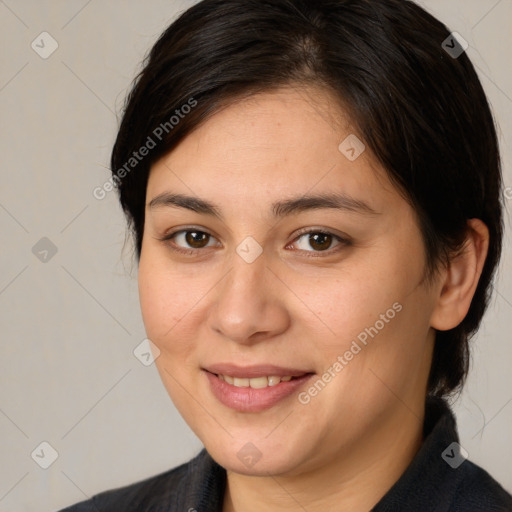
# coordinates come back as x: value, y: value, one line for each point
x: 343, y: 242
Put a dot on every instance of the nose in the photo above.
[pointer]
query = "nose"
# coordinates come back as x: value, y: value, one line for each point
x: 248, y: 304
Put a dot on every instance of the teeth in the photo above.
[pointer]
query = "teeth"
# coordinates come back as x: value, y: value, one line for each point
x: 273, y: 381
x: 255, y: 383
x: 258, y: 383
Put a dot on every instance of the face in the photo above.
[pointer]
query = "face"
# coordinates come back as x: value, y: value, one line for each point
x: 246, y: 273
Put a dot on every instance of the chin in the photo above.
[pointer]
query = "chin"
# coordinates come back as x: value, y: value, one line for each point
x: 255, y: 459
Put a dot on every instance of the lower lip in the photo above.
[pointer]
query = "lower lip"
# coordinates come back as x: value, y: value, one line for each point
x: 253, y: 400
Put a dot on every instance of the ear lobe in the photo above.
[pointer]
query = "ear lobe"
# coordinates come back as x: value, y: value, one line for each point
x: 461, y: 278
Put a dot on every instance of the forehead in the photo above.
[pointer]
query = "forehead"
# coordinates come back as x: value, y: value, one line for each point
x: 272, y: 145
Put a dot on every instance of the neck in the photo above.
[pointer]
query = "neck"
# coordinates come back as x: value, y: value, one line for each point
x: 354, y: 480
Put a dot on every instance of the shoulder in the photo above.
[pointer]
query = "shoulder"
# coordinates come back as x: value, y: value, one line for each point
x: 143, y: 495
x: 478, y: 491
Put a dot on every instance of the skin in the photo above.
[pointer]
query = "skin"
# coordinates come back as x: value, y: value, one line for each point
x: 345, y: 448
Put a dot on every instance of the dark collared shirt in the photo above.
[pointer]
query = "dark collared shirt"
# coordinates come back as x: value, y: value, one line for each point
x: 437, y: 480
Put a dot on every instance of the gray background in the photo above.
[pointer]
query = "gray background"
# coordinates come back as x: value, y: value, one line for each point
x: 70, y: 324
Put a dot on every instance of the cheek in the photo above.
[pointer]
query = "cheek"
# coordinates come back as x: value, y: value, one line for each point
x: 165, y: 301
x: 376, y: 302
x: 345, y: 305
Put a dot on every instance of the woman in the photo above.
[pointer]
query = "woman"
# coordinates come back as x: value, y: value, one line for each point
x: 314, y: 190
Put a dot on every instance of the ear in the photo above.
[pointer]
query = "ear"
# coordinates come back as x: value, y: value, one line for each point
x: 460, y: 278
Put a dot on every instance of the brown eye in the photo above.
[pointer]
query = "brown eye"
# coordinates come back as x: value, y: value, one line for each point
x: 196, y: 239
x: 187, y: 241
x: 319, y: 241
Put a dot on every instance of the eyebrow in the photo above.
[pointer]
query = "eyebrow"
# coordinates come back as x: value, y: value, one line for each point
x: 294, y: 205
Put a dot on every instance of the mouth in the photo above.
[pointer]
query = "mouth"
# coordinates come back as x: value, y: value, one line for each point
x: 256, y: 388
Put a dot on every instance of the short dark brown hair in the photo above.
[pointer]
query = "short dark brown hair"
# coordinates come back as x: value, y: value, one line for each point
x: 420, y: 110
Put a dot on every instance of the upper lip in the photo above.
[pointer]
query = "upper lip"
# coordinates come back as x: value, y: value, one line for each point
x: 254, y: 371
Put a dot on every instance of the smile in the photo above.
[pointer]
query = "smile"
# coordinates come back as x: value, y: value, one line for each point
x: 247, y: 392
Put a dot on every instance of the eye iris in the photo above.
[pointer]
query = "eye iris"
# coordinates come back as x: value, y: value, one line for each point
x: 323, y: 244
x: 191, y: 239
